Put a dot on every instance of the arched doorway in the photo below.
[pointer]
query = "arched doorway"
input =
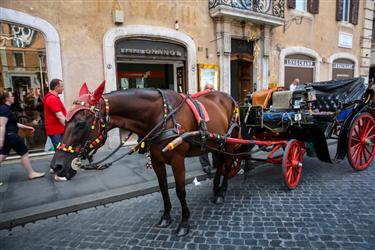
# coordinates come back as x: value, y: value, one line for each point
x: 299, y: 66
x: 342, y: 69
x: 23, y: 70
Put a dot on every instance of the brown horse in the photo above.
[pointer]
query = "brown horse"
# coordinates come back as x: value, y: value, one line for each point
x: 139, y: 110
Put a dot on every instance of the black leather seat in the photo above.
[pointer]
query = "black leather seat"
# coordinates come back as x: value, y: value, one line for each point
x: 331, y: 94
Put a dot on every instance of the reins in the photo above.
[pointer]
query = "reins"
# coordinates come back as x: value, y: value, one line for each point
x: 96, y: 166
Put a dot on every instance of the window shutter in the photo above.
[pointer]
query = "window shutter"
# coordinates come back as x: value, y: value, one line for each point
x: 354, y: 8
x: 291, y: 4
x: 339, y: 10
x: 313, y: 6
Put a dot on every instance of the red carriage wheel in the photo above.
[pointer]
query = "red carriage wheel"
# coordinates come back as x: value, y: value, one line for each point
x: 235, y: 167
x: 292, y: 163
x: 361, y: 142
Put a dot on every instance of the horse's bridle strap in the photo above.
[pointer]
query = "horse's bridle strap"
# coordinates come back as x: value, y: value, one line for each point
x: 96, y: 142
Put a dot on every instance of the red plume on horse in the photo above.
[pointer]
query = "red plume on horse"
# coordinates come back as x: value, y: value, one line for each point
x: 158, y: 117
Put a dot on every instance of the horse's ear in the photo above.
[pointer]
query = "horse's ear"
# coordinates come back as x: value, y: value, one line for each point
x: 84, y: 90
x: 98, y: 93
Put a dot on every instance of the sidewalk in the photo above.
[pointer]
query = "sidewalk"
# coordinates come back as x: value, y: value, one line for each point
x: 23, y: 201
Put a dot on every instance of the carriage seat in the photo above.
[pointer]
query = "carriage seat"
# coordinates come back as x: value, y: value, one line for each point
x: 263, y: 97
x: 281, y: 100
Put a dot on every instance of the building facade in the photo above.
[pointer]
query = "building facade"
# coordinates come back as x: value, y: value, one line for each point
x: 239, y: 46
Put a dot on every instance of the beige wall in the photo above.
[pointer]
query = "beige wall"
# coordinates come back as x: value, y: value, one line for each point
x: 82, y: 25
x: 317, y: 32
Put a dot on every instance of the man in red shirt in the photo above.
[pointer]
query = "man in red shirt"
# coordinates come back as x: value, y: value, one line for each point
x: 54, y: 112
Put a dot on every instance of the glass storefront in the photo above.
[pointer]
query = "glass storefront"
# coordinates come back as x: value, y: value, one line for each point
x: 23, y: 71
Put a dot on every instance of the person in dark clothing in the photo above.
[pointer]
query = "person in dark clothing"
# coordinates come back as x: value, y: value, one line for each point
x: 9, y: 138
x: 203, y: 159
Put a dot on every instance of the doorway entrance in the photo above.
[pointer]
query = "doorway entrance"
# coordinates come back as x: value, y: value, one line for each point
x: 241, y: 78
x: 241, y: 69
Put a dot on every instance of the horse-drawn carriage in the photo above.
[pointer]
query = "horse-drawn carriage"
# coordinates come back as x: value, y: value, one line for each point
x: 303, y: 120
x: 174, y: 126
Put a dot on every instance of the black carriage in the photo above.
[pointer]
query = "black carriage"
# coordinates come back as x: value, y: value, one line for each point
x: 303, y: 120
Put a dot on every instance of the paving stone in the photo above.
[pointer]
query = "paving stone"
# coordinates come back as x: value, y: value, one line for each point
x: 332, y: 208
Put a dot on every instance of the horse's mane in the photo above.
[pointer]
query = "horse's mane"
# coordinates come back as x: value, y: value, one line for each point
x: 132, y: 91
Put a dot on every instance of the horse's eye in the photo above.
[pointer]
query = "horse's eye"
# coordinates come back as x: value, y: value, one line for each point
x: 81, y: 125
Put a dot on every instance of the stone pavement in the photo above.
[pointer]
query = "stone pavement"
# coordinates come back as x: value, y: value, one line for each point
x: 332, y: 208
x: 23, y: 201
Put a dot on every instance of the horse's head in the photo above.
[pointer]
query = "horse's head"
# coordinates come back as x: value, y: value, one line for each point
x: 85, y: 131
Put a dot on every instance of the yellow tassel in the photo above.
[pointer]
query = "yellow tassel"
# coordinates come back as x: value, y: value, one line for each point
x: 143, y: 144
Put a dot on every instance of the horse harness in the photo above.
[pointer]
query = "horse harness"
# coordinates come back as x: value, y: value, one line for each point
x: 101, y: 122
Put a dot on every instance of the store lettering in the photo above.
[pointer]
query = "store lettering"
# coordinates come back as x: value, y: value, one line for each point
x: 158, y: 52
x: 299, y: 63
x: 343, y: 66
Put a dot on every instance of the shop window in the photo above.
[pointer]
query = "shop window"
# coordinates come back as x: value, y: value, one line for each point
x: 19, y: 59
x: 23, y: 70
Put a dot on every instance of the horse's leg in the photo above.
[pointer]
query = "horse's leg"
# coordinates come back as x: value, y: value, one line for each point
x: 217, y: 161
x: 178, y: 166
x: 160, y: 171
x: 224, y: 186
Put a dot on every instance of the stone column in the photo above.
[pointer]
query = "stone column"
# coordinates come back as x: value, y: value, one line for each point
x: 264, y: 56
x: 223, y: 42
x: 364, y: 63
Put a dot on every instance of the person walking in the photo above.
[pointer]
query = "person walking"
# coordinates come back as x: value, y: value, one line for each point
x: 203, y: 159
x: 9, y: 138
x: 54, y: 112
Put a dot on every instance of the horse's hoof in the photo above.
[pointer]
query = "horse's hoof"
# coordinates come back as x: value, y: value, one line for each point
x: 218, y: 200
x: 183, y: 229
x: 164, y: 222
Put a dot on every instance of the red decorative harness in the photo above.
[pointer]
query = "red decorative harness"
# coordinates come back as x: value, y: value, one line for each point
x: 84, y: 104
x: 193, y: 107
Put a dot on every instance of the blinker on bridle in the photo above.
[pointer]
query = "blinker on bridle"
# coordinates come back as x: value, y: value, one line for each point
x: 95, y: 143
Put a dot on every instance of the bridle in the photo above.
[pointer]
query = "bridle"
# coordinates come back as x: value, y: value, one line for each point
x: 100, y: 122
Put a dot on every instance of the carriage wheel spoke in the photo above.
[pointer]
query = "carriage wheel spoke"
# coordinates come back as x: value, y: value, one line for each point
x: 356, y: 157
x: 356, y: 145
x: 365, y: 156
x: 367, y: 150
x: 370, y: 130
x: 356, y: 132
x: 355, y: 152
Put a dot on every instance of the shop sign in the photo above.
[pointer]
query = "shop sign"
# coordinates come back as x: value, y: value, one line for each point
x: 157, y: 52
x: 299, y: 63
x: 149, y: 49
x: 343, y: 66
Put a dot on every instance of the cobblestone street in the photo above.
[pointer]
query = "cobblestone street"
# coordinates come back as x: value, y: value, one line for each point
x: 333, y: 207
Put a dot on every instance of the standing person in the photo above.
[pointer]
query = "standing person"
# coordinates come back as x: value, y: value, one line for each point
x: 9, y: 138
x: 55, y: 112
x: 295, y: 84
x: 203, y: 159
